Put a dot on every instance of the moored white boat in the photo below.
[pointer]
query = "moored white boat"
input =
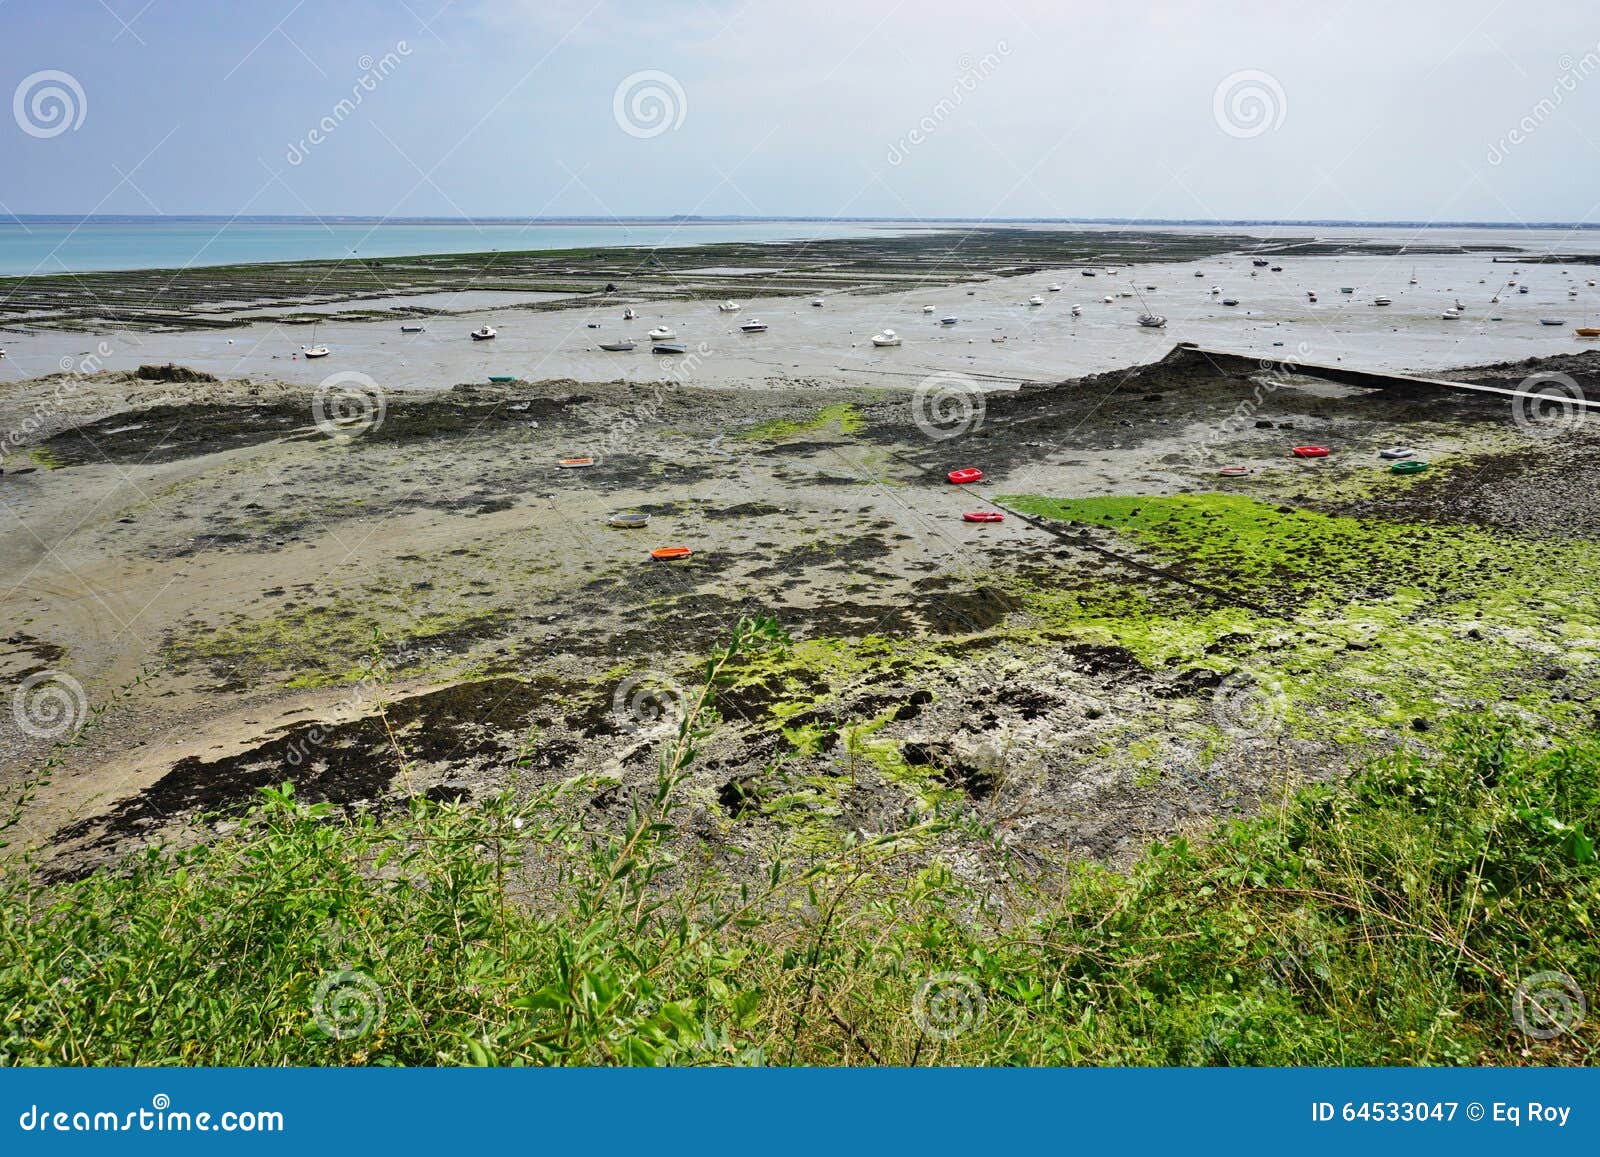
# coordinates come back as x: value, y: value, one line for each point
x: 661, y: 333
x: 483, y: 333
x: 887, y: 338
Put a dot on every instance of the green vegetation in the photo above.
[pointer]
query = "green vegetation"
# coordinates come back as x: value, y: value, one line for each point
x: 844, y: 417
x: 1387, y: 921
x: 331, y: 644
x: 1365, y: 624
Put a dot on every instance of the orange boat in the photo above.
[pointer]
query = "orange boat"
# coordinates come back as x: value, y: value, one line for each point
x: 1587, y: 331
x: 667, y: 553
x: 574, y: 463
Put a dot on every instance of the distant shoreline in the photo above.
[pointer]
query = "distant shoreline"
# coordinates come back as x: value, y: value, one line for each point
x: 671, y: 219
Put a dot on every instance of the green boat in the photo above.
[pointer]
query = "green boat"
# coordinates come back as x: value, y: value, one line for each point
x: 1347, y: 289
x: 500, y: 378
x: 1412, y: 467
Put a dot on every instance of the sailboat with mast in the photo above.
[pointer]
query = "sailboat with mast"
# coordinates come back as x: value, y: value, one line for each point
x: 1149, y: 319
x: 314, y: 350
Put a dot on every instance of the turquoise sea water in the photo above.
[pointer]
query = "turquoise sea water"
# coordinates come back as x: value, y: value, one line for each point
x: 63, y: 244
x: 57, y: 246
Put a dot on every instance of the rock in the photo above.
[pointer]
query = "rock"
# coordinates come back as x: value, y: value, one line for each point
x: 173, y: 373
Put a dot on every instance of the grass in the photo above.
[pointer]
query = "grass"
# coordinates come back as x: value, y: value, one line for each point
x: 1389, y: 920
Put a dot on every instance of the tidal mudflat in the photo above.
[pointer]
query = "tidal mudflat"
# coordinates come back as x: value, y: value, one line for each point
x: 425, y: 602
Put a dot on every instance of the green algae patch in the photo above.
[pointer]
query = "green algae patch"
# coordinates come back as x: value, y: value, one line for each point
x: 843, y: 417
x: 1362, y: 624
x: 325, y: 646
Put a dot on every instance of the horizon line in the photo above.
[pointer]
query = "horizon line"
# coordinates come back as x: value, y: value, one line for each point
x: 361, y: 218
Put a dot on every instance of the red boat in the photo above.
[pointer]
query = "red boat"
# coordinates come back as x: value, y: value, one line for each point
x: 1310, y: 451
x: 983, y: 516
x: 966, y: 474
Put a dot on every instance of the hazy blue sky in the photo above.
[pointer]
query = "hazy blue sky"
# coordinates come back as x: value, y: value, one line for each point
x: 1470, y: 109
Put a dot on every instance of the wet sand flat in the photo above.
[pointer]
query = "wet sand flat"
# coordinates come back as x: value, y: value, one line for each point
x: 251, y: 598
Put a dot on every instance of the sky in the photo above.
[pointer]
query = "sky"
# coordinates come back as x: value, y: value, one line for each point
x: 1227, y: 109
